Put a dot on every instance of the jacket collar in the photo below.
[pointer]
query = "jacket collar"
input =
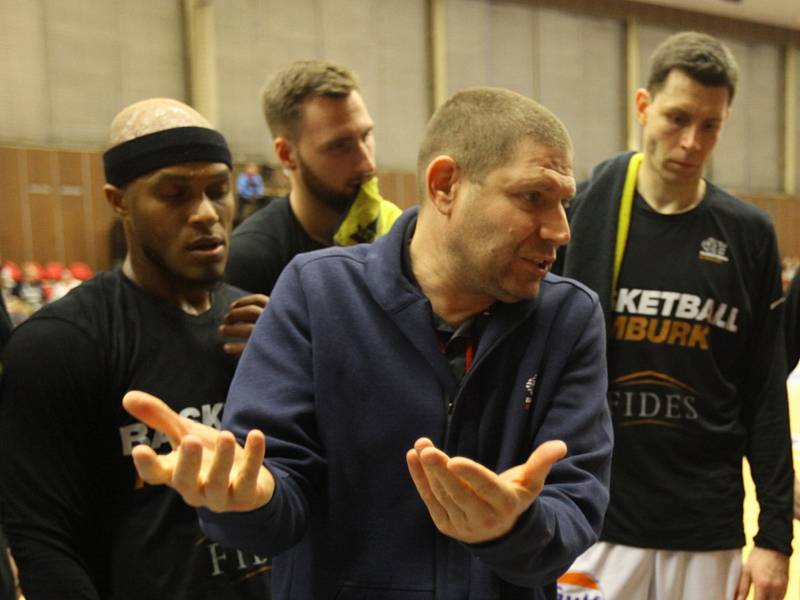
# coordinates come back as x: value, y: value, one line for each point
x: 411, y: 311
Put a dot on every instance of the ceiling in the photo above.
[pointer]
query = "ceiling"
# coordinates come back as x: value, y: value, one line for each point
x: 784, y: 13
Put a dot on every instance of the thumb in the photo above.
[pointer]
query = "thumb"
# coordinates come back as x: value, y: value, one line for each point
x: 538, y: 465
x: 156, y: 413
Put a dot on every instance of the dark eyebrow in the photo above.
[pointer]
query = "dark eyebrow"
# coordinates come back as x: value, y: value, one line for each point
x: 336, y: 141
x: 536, y: 182
x: 348, y: 137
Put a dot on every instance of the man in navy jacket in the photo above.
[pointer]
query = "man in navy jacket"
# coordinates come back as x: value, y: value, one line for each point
x: 432, y: 405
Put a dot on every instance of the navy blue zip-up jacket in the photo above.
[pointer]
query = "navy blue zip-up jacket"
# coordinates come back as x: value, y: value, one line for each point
x: 343, y: 373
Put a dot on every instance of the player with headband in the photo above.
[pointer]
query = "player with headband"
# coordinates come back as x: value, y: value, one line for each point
x: 77, y: 517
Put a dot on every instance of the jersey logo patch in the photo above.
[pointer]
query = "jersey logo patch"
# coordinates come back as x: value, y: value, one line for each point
x: 652, y: 398
x: 577, y: 585
x: 713, y: 250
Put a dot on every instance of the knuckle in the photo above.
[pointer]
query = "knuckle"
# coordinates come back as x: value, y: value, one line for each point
x: 192, y: 500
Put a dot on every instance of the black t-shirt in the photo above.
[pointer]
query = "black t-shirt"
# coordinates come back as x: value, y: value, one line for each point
x: 689, y: 352
x: 80, y: 522
x: 263, y: 245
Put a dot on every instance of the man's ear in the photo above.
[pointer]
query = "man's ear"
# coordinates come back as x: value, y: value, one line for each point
x: 116, y: 198
x: 642, y: 100
x: 441, y: 182
x: 285, y: 151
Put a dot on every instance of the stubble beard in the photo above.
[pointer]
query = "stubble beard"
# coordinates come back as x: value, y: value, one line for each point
x: 207, y: 282
x: 322, y: 192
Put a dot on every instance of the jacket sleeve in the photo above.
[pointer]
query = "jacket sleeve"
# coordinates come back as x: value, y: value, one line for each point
x: 765, y: 405
x: 47, y: 461
x: 792, y: 327
x: 567, y: 516
x: 277, y: 358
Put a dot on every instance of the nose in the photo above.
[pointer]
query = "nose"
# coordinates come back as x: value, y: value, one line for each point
x: 205, y: 212
x: 366, y: 157
x: 555, y: 227
x: 690, y: 140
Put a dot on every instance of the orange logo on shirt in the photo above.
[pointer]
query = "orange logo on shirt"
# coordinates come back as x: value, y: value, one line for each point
x: 577, y: 585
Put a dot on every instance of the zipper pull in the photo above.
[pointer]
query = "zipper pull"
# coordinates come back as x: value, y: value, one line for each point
x: 530, y: 386
x: 448, y: 402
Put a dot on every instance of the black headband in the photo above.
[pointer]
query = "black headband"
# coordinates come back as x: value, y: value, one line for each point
x: 127, y: 161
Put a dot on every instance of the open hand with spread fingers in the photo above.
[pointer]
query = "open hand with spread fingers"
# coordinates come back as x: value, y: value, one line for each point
x: 207, y: 467
x: 470, y: 503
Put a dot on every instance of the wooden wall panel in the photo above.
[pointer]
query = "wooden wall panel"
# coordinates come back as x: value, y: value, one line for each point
x: 399, y: 187
x: 102, y: 217
x: 12, y: 242
x: 785, y: 213
x: 71, y: 191
x: 53, y: 207
x: 40, y: 192
x: 785, y: 216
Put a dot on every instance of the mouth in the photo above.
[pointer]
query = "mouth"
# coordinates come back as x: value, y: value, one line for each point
x: 210, y: 246
x: 357, y: 182
x: 540, y: 266
x: 685, y: 166
x: 354, y: 187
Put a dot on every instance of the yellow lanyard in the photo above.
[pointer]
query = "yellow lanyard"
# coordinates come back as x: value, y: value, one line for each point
x: 624, y: 220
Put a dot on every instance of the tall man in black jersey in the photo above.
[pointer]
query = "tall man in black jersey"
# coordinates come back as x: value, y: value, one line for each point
x: 80, y: 522
x: 323, y: 140
x: 690, y: 281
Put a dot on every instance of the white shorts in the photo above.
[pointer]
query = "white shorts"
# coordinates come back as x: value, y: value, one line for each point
x: 615, y: 572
